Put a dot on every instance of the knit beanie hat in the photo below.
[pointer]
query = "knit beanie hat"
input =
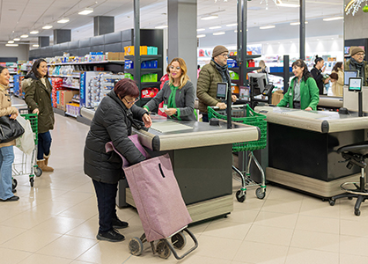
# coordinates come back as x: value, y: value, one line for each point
x: 219, y: 50
x: 355, y: 50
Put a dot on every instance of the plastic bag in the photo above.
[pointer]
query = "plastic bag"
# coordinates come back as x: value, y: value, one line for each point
x: 25, y: 142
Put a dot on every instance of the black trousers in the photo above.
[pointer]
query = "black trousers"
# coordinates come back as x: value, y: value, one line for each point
x: 106, y: 195
x: 204, y: 117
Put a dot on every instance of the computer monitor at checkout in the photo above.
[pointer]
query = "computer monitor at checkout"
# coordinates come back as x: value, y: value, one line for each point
x: 349, y: 74
x: 355, y: 84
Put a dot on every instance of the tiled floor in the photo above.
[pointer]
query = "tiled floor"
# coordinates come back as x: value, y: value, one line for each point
x: 56, y: 221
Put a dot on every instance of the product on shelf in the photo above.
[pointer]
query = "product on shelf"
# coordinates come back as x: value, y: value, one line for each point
x: 232, y: 63
x: 152, y: 64
x: 114, y: 56
x: 151, y: 77
x: 64, y: 97
x: 149, y: 92
x: 128, y: 75
x: 144, y: 50
x: 234, y: 75
x: 73, y: 109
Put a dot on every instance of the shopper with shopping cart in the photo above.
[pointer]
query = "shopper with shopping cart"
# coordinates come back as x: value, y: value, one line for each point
x: 112, y: 122
x: 6, y: 149
x: 38, y: 98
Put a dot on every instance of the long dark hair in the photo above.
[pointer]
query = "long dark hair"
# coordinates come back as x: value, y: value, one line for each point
x: 301, y: 64
x: 35, y: 66
x: 337, y: 66
x: 318, y: 59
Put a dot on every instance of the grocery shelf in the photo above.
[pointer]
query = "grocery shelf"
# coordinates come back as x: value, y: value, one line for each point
x: 61, y: 76
x: 144, y: 70
x: 143, y: 57
x: 71, y: 87
x: 68, y: 114
x: 92, y: 62
x: 150, y: 84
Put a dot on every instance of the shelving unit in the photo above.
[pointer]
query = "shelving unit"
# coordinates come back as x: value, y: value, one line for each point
x: 243, y: 79
x: 70, y: 87
x: 92, y: 62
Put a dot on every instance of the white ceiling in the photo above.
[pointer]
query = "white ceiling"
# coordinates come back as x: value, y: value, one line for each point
x: 19, y: 17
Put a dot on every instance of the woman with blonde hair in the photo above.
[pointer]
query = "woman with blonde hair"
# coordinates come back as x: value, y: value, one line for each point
x: 177, y: 94
x: 263, y: 66
x: 337, y: 85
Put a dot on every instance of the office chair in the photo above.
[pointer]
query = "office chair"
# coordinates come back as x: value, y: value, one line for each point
x: 354, y: 154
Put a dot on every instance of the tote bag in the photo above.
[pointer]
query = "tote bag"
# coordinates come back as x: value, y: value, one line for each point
x: 25, y: 142
x: 10, y: 129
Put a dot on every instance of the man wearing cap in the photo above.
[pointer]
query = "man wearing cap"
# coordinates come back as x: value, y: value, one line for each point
x: 211, y: 74
x: 356, y: 63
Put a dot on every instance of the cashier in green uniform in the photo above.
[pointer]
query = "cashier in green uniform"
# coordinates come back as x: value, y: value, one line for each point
x: 303, y: 92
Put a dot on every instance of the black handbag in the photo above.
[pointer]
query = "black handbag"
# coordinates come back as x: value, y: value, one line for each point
x: 10, y: 129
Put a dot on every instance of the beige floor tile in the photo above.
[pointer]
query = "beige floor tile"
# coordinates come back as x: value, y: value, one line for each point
x: 31, y: 241
x: 307, y: 256
x: 10, y: 256
x: 7, y: 233
x: 215, y: 247
x: 243, y: 216
x: 226, y: 229
x: 42, y: 259
x: 347, y: 211
x: 68, y: 247
x: 270, y: 235
x: 58, y: 224
x: 349, y: 259
x: 315, y: 240
x: 251, y: 203
x: 80, y: 211
x: 318, y: 224
x: 279, y: 193
x: 353, y: 228
x: 261, y: 253
x: 316, y: 207
x: 265, y: 218
x: 87, y: 229
x: 353, y: 245
x: 26, y: 219
x: 82, y: 262
x: 284, y: 206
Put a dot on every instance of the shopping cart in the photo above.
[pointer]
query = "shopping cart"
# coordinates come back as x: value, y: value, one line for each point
x: 245, y: 114
x: 28, y: 163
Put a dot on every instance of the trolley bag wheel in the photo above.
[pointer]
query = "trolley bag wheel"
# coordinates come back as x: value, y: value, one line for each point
x: 14, y: 183
x: 260, y: 193
x: 37, y: 171
x: 331, y: 202
x: 163, y: 249
x: 31, y: 180
x: 240, y: 197
x: 179, y: 240
x: 135, y: 246
x: 357, y: 212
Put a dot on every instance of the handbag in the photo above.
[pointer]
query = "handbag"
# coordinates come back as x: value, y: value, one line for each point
x: 10, y: 129
x: 26, y: 142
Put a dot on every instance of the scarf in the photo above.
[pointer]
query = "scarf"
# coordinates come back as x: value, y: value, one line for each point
x: 358, y: 66
x: 224, y: 72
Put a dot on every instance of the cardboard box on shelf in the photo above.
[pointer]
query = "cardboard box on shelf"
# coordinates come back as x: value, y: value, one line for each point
x: 65, y: 96
x: 112, y: 56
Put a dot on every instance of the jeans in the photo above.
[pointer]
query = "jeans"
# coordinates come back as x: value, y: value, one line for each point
x: 44, y: 144
x: 106, y: 195
x: 6, y: 161
x: 204, y: 117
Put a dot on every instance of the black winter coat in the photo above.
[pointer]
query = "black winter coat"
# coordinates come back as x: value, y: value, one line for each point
x: 111, y: 123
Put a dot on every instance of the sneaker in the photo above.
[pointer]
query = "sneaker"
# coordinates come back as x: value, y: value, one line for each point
x: 111, y: 236
x: 118, y: 224
x: 11, y: 199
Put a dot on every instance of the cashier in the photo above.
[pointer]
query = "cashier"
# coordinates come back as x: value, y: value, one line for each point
x: 303, y: 90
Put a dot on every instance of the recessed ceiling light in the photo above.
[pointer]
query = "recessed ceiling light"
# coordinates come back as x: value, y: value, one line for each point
x: 209, y: 17
x: 232, y: 25
x: 200, y: 29
x: 34, y: 32
x: 297, y: 23
x: 16, y: 39
x: 47, y: 27
x: 201, y: 36
x: 162, y: 26
x: 24, y: 36
x: 11, y: 45
x: 35, y: 45
x: 11, y: 41
x: 86, y: 11
x: 219, y: 33
x: 215, y: 27
x: 333, y: 18
x: 267, y: 27
x: 63, y: 20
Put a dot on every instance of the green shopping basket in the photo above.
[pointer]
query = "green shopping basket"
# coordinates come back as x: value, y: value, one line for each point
x: 246, y: 115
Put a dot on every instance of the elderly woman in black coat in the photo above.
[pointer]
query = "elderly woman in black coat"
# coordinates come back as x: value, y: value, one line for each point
x: 112, y: 122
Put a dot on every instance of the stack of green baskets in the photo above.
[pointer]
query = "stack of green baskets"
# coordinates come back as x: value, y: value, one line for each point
x: 251, y: 118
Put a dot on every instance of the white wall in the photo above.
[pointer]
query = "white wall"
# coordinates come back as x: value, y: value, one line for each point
x: 21, y: 52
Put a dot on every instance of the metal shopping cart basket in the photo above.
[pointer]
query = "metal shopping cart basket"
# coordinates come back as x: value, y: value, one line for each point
x: 28, y: 163
x: 245, y: 114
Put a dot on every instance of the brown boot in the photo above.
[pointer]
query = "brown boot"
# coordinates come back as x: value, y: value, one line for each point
x: 47, y: 158
x: 41, y: 164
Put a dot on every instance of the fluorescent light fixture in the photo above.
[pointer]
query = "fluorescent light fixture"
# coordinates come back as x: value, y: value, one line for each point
x: 215, y: 27
x: 219, y: 33
x: 63, y: 20
x: 297, y: 23
x: 24, y: 36
x: 232, y: 25
x: 267, y: 27
x: 34, y: 32
x: 200, y: 29
x: 162, y: 26
x: 16, y: 39
x: 11, y: 45
x: 209, y: 17
x: 201, y: 36
x: 11, y: 41
x: 86, y: 11
x: 280, y: 3
x: 333, y: 18
x: 35, y: 45
x: 47, y: 27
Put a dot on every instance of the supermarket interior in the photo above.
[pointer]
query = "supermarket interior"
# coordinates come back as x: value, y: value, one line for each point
x: 258, y: 131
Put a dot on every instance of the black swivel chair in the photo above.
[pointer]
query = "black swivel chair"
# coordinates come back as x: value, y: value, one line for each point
x: 354, y: 154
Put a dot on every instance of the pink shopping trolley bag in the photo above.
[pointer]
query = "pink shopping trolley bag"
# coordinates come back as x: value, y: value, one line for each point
x: 157, y: 197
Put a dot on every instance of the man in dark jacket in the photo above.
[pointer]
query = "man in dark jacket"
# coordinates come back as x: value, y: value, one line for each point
x: 211, y: 74
x: 357, y: 63
x: 112, y: 122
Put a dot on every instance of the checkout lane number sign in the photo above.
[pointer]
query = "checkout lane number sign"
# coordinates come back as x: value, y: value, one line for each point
x: 355, y: 84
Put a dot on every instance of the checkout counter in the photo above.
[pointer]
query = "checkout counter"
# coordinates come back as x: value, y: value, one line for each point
x: 201, y: 156
x: 302, y: 148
